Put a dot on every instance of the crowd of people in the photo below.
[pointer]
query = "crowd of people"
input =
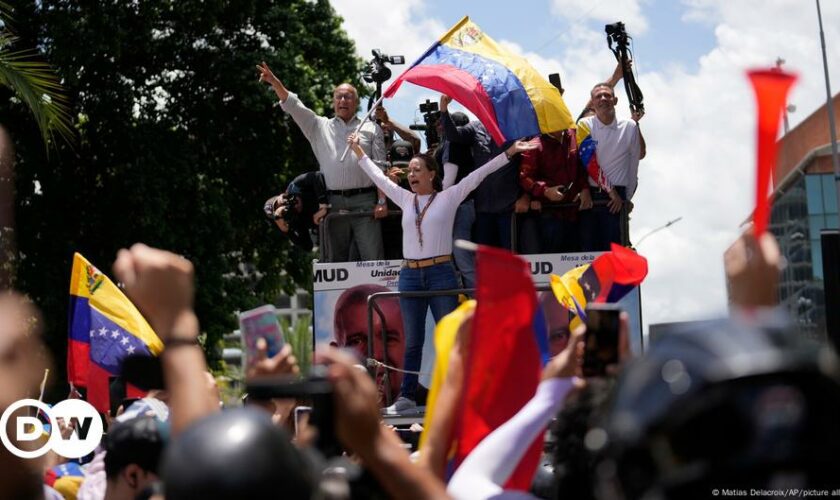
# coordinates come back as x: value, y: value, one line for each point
x: 737, y: 404
x: 741, y: 402
x: 561, y: 203
x: 467, y: 187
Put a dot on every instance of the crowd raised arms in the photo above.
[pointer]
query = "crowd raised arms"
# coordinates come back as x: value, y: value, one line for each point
x: 179, y: 443
x: 569, y: 194
x: 533, y: 395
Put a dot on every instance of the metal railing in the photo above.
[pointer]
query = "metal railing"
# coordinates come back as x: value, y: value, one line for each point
x: 324, y: 240
x: 373, y: 305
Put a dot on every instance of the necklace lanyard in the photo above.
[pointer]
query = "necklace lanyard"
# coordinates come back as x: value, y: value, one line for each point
x: 420, y: 214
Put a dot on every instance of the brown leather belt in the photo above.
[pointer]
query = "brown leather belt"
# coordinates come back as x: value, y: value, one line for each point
x: 431, y: 261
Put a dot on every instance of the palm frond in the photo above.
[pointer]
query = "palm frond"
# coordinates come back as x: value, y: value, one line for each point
x: 37, y: 85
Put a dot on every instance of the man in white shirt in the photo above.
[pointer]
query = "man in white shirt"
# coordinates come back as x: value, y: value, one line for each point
x: 619, y: 147
x: 348, y: 188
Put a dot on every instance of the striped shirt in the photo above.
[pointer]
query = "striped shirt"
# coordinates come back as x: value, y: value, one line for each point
x: 328, y: 138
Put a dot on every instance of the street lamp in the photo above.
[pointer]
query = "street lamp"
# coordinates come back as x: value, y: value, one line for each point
x: 660, y: 228
x: 830, y: 106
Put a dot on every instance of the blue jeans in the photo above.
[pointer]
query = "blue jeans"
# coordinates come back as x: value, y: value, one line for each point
x: 462, y: 229
x: 598, y: 227
x: 437, y: 277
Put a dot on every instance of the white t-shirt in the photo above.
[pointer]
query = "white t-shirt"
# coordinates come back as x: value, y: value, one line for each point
x: 440, y: 216
x: 618, y: 148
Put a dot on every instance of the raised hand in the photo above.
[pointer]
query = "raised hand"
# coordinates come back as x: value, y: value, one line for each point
x: 353, y: 141
x: 752, y: 266
x: 444, y: 103
x: 266, y: 75
x: 519, y: 147
x: 159, y: 283
x: 283, y: 363
x: 568, y: 362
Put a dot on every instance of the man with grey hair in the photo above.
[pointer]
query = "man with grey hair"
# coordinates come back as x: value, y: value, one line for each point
x: 348, y: 188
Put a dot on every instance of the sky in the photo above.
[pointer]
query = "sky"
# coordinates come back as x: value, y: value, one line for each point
x: 690, y: 57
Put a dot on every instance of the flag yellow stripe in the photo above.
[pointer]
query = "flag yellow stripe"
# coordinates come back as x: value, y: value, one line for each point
x: 112, y: 303
x: 552, y: 113
x: 446, y: 333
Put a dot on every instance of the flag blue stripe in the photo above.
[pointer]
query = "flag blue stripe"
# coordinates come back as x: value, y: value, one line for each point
x: 515, y: 112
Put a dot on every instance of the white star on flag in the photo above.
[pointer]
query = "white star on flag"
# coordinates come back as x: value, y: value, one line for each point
x: 124, y: 341
x: 130, y: 349
x: 115, y: 334
x: 103, y: 331
x: 92, y: 332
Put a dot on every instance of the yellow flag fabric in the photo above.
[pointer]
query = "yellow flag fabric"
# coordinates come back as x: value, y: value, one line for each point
x: 446, y: 333
x: 565, y: 287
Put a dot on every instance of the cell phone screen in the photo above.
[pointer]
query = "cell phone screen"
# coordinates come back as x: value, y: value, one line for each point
x: 260, y: 323
x: 302, y: 414
x: 601, y: 340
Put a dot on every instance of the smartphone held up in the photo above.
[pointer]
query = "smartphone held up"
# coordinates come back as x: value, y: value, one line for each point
x: 601, y: 341
x: 260, y: 323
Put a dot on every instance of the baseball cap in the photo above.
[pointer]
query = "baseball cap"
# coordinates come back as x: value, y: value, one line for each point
x: 401, y: 153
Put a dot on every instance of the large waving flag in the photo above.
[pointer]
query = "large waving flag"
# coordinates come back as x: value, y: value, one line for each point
x: 609, y: 277
x: 503, y: 90
x: 104, y: 328
x: 508, y: 349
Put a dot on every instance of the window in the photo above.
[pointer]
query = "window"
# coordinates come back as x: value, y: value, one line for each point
x: 829, y: 195
x: 813, y: 186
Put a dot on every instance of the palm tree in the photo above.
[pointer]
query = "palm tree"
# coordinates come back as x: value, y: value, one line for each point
x: 35, y: 83
x: 38, y: 87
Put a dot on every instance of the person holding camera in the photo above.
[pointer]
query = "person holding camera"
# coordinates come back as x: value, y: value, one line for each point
x: 427, y: 219
x: 348, y: 189
x: 300, y: 209
x: 551, y: 173
x: 618, y: 146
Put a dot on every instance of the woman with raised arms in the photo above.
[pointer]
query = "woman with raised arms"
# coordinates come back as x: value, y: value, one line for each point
x: 427, y: 219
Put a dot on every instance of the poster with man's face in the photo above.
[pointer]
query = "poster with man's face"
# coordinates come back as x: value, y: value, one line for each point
x: 341, y: 312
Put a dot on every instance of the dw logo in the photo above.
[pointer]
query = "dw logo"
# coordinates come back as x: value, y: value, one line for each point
x: 86, y: 435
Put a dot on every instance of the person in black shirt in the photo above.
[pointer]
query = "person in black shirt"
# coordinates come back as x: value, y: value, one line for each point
x: 308, y: 209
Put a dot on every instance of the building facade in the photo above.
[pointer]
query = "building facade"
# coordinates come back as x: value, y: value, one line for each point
x: 805, y: 202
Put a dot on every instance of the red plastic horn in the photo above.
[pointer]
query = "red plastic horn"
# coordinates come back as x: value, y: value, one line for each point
x: 771, y: 87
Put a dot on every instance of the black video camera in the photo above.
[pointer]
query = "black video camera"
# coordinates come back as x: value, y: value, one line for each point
x: 290, y: 205
x: 431, y: 115
x: 316, y: 388
x: 619, y: 43
x: 616, y: 33
x: 376, y: 71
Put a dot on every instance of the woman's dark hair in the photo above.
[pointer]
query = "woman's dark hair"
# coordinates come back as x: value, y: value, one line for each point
x: 432, y: 166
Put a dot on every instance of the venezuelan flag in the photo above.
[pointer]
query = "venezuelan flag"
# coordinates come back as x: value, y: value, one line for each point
x: 609, y: 277
x: 66, y: 479
x: 503, y: 90
x: 104, y: 328
x: 507, y: 351
x: 588, y: 157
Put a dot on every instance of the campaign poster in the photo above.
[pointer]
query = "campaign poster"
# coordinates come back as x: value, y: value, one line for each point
x: 351, y: 282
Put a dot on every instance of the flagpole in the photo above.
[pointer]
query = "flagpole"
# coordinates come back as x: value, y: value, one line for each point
x: 364, y: 120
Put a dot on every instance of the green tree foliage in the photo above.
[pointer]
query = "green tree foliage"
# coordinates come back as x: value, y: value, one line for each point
x: 178, y: 143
